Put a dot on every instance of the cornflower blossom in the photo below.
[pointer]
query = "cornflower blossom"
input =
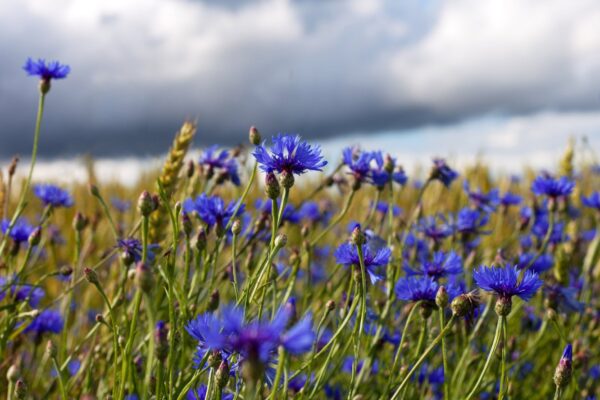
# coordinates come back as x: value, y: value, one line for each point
x: 46, y: 70
x: 21, y: 230
x: 504, y: 282
x: 290, y: 154
x: 441, y: 265
x: 487, y: 202
x: 442, y: 172
x: 221, y: 161
x: 255, y: 342
x: 212, y: 209
x: 374, y: 258
x: 552, y: 187
x: 51, y: 195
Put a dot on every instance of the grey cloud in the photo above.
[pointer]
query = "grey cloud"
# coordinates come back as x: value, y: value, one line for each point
x: 316, y: 68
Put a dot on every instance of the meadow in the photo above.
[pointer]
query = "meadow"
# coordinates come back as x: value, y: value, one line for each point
x: 268, y: 272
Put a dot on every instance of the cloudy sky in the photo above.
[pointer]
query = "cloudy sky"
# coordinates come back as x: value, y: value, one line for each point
x: 497, y: 76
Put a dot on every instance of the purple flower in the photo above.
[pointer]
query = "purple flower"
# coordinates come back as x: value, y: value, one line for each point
x: 439, y: 267
x: 442, y: 172
x: 543, y: 263
x: 487, y: 202
x: 311, y: 211
x: 256, y: 341
x: 433, y: 231
x: 470, y: 221
x: 552, y: 187
x: 504, y: 281
x: 220, y: 160
x: 200, y: 394
x: 46, y: 71
x: 132, y: 249
x: 53, y: 195
x: 290, y: 154
x: 510, y: 199
x: 416, y: 288
x: 347, y: 254
x: 121, y: 206
x: 21, y: 291
x: 593, y: 201
x: 48, y: 321
x: 212, y: 209
x: 289, y: 213
x: 383, y: 208
x: 20, y: 231
x: 358, y: 161
x: 380, y: 177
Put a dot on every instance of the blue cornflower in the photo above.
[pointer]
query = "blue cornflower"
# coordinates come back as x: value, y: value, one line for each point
x: 220, y: 160
x: 541, y: 226
x: 289, y: 212
x: 552, y: 187
x: 311, y: 212
x: 593, y: 201
x: 563, y: 298
x: 53, y: 195
x: 289, y: 154
x: 383, y: 208
x: 439, y: 267
x: 358, y: 161
x: 469, y: 221
x: 200, y: 394
x: 72, y: 368
x: 442, y: 172
x: 255, y: 341
x: 380, y: 177
x: 416, y: 288
x: 510, y: 199
x: 21, y: 291
x: 433, y: 231
x: 46, y: 71
x: 121, y: 206
x: 132, y: 249
x: 374, y: 258
x: 212, y: 209
x: 504, y: 282
x: 487, y: 202
x: 20, y: 231
x: 48, y: 321
x: 543, y: 263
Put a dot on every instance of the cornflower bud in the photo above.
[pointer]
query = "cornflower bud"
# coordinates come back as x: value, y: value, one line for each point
x: 272, y: 188
x: 13, y: 373
x: 254, y: 136
x: 213, y: 301
x: 564, y: 369
x: 357, y: 237
x: 143, y: 277
x: 35, y: 237
x: 186, y: 224
x: 20, y: 390
x: 236, y: 227
x: 280, y: 241
x: 201, y: 239
x: 50, y: 349
x: 146, y: 204
x: 222, y: 374
x: 91, y: 276
x: 441, y: 297
x: 79, y: 222
x: 286, y: 179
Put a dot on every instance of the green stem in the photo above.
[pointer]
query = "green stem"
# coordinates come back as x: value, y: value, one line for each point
x: 336, y: 221
x: 503, y: 367
x: 61, y: 382
x: 276, y: 382
x: 488, y: 360
x: 424, y: 355
x: 444, y: 357
x: 25, y: 188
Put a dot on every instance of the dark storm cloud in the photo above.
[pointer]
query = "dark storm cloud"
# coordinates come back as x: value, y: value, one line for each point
x: 316, y: 68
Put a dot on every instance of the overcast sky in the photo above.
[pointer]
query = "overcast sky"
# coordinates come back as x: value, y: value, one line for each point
x: 321, y: 68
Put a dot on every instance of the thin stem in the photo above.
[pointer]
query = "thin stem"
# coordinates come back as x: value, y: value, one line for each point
x: 424, y: 355
x: 61, y: 382
x: 503, y: 367
x: 488, y: 360
x: 444, y: 357
x: 25, y: 188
